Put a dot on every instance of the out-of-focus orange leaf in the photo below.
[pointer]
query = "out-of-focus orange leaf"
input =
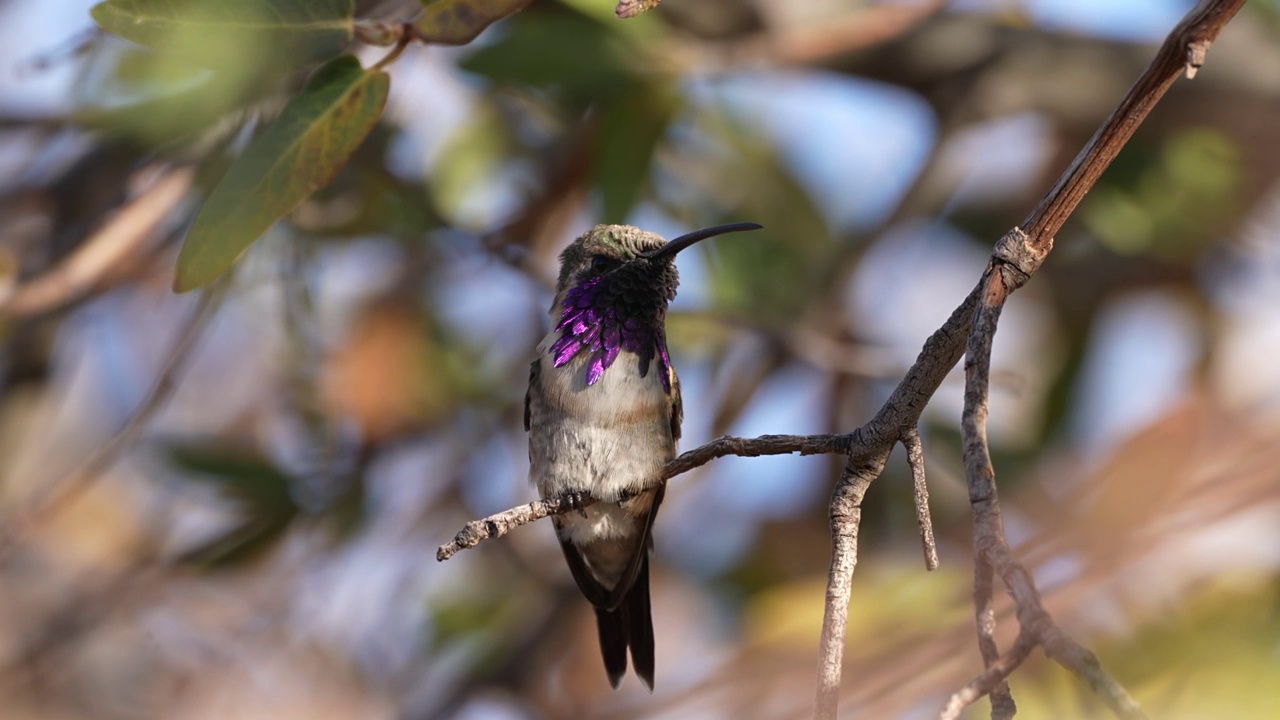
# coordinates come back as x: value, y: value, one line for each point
x: 387, y: 376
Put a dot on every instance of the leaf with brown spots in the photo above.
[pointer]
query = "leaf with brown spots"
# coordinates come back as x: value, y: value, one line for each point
x: 458, y: 22
x: 632, y: 8
x: 301, y: 152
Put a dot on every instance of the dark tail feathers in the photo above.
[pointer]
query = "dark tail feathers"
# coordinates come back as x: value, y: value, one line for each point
x: 631, y: 625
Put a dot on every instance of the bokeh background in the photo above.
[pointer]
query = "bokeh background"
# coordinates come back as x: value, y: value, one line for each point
x: 266, y: 549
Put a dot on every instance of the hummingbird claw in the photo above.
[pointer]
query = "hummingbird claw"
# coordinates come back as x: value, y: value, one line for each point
x: 574, y: 499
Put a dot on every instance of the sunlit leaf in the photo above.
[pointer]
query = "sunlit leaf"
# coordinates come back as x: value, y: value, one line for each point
x: 299, y: 153
x: 368, y: 199
x: 211, y: 31
x: 632, y: 8
x: 458, y: 22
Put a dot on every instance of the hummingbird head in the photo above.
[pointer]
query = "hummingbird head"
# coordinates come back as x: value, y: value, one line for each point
x: 612, y: 294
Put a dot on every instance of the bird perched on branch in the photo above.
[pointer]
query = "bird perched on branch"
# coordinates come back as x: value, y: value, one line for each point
x: 603, y: 413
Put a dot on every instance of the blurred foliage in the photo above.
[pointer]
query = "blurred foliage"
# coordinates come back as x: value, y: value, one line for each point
x: 259, y: 492
x: 300, y: 153
x: 458, y: 22
x: 395, y: 213
x: 1168, y: 205
x: 258, y: 34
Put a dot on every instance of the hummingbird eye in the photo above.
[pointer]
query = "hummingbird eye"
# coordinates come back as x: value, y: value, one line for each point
x: 603, y: 264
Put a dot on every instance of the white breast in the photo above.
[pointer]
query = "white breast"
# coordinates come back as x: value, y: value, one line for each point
x: 620, y: 396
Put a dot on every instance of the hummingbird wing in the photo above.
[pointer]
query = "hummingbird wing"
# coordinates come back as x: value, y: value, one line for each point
x: 528, y: 393
x: 677, y: 405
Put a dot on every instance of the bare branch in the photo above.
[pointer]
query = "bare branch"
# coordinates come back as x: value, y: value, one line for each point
x: 1184, y: 47
x: 988, y: 682
x: 920, y: 490
x: 755, y: 447
x: 497, y: 525
x: 846, y: 514
x: 101, y: 253
x: 1015, y: 258
x: 1002, y: 705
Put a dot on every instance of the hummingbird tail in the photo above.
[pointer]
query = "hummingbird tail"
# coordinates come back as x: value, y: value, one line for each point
x: 613, y: 642
x: 640, y: 624
x: 631, y: 624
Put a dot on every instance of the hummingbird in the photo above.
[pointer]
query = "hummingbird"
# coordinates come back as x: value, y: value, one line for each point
x: 603, y: 413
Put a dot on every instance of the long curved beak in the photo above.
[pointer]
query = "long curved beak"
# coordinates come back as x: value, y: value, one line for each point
x: 684, y: 241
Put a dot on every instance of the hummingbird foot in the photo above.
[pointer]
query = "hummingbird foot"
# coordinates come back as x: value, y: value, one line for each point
x: 575, y: 499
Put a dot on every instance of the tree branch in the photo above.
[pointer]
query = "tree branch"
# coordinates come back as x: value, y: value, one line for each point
x: 846, y: 514
x: 920, y: 490
x: 118, y: 239
x: 1017, y: 256
x: 1015, y: 259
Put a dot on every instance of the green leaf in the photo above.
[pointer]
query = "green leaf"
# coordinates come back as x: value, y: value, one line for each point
x: 242, y: 476
x: 214, y: 32
x: 299, y: 153
x: 458, y: 22
x: 243, y: 542
x: 563, y: 51
x: 261, y: 493
x: 631, y: 127
x: 166, y: 117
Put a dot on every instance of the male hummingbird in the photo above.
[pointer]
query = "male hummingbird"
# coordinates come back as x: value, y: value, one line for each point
x: 603, y: 413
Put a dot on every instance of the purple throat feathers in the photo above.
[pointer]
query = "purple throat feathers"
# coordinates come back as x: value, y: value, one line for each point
x: 590, y: 323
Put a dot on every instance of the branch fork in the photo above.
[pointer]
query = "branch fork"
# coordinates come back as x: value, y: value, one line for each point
x: 969, y: 331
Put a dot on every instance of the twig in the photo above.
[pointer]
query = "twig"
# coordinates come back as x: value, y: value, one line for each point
x: 846, y: 514
x: 102, y: 252
x: 1197, y: 30
x: 988, y: 682
x: 497, y: 525
x: 1013, y: 263
x: 979, y: 473
x: 1015, y: 258
x: 1002, y: 705
x: 920, y: 490
x: 58, y: 494
x: 755, y: 447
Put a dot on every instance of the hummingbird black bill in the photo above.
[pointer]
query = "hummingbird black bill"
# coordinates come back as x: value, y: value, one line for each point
x: 684, y: 241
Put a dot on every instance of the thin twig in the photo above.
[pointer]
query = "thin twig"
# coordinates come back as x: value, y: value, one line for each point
x: 499, y: 524
x: 1016, y: 258
x: 980, y: 474
x: 920, y: 490
x: 755, y: 447
x: 1189, y: 39
x: 54, y: 496
x: 972, y: 324
x: 846, y: 514
x: 987, y: 683
x: 1014, y: 261
x: 984, y: 613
